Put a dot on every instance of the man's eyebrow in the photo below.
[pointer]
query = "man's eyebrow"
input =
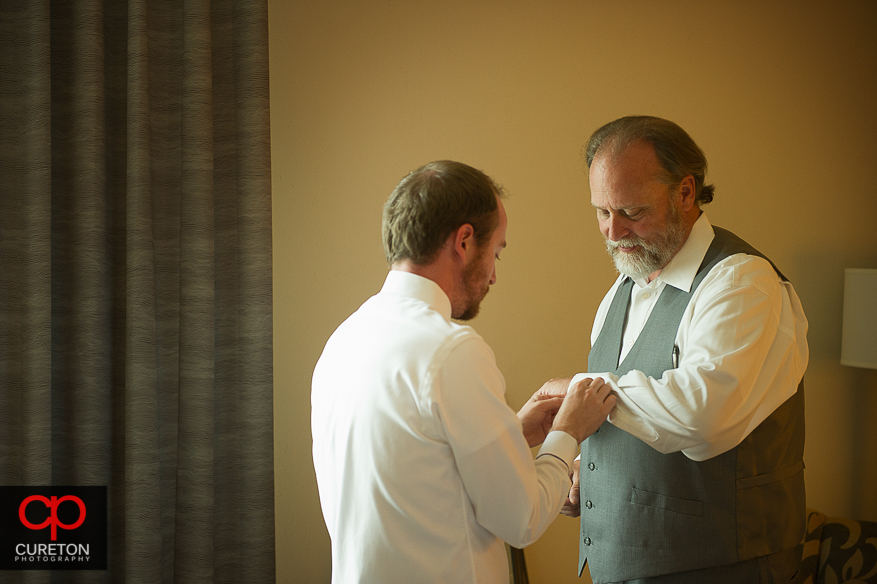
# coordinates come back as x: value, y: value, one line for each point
x: 632, y: 207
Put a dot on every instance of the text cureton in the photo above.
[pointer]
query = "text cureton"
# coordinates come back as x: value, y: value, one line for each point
x: 51, y: 549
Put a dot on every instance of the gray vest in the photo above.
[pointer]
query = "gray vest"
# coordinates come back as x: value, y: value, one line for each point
x: 645, y: 513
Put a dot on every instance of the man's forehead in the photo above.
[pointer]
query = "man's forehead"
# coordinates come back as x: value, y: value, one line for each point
x: 636, y: 166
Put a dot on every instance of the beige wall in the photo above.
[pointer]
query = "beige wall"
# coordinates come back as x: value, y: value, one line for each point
x: 780, y: 95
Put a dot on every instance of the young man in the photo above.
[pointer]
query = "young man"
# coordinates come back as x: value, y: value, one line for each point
x: 423, y: 469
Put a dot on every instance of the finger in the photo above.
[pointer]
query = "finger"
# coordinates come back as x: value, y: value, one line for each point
x: 549, y: 402
x: 570, y: 510
x: 597, y: 383
x: 602, y: 389
x: 545, y: 396
x: 550, y: 407
x: 584, y: 383
x: 552, y: 388
x: 574, y: 495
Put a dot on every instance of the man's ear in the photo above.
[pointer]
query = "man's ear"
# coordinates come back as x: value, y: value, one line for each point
x: 687, y: 193
x: 464, y: 241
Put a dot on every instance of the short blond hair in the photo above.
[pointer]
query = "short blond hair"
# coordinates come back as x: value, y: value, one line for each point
x: 433, y: 201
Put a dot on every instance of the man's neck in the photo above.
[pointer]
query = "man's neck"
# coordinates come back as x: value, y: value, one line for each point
x: 690, y: 219
x: 435, y: 271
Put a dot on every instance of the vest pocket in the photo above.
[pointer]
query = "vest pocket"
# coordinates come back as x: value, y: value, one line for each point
x: 658, y: 501
x: 771, y: 514
x: 771, y: 477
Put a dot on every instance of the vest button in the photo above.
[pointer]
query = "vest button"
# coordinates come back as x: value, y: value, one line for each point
x: 587, y: 541
x: 589, y: 504
x: 592, y: 466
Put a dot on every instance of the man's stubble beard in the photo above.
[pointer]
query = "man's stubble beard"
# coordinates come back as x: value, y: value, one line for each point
x: 475, y: 293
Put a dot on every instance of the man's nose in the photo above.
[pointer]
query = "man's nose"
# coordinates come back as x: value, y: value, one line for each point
x: 617, y: 227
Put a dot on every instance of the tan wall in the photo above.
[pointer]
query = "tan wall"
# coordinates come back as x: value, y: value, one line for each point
x: 780, y: 95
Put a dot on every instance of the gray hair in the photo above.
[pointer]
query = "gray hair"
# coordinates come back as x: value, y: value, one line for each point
x: 677, y: 153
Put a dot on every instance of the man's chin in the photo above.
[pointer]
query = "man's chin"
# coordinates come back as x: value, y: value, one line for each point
x: 636, y: 272
x: 626, y: 267
x: 468, y: 314
x: 472, y: 310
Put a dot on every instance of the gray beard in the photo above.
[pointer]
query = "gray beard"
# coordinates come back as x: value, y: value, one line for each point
x: 652, y: 256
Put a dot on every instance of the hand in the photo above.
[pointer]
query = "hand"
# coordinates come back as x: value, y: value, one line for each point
x: 585, y: 408
x: 572, y: 506
x: 555, y: 387
x: 537, y: 416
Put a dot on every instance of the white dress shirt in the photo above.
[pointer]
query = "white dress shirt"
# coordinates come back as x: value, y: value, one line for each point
x: 742, y: 353
x: 422, y: 467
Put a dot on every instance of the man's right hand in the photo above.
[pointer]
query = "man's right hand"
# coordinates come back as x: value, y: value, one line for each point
x: 572, y: 506
x: 585, y: 407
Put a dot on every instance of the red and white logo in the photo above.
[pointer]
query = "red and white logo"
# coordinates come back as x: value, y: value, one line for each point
x: 52, y: 505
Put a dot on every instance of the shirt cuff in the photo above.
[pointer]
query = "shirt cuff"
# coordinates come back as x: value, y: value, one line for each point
x: 560, y: 445
x: 622, y: 416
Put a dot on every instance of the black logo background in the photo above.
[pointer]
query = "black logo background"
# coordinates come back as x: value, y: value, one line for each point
x: 92, y: 532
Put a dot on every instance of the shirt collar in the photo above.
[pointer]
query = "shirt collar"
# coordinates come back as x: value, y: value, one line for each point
x: 414, y: 286
x: 682, y: 269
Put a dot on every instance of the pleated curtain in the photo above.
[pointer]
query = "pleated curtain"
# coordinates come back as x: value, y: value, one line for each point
x: 135, y: 277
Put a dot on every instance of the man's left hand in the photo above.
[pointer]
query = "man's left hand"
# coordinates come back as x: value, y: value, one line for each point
x: 537, y: 416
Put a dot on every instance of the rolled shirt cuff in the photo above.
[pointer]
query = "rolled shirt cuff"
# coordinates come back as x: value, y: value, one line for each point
x: 560, y: 445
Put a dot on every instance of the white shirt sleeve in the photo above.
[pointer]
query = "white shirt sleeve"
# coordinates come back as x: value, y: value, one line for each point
x: 743, y: 352
x: 512, y: 497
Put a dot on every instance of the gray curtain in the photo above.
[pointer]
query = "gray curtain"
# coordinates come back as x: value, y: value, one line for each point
x: 135, y: 277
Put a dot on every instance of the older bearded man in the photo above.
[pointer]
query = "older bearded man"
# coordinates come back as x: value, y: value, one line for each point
x: 698, y: 474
